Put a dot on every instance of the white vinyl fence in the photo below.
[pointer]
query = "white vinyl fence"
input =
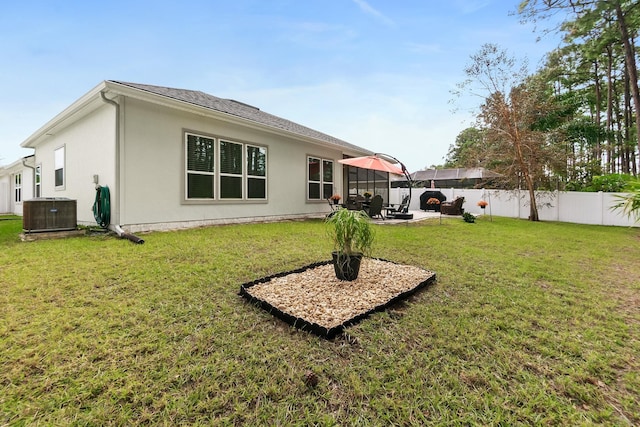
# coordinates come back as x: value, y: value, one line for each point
x: 569, y: 206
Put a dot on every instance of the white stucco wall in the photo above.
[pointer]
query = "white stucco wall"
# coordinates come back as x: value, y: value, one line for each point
x: 5, y: 201
x: 89, y: 150
x: 153, y: 170
x: 8, y: 203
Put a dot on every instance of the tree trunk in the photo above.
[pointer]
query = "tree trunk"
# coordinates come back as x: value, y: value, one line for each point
x: 632, y: 70
x: 533, y: 206
x: 517, y: 142
x: 598, y: 148
x: 609, y: 160
x: 626, y: 165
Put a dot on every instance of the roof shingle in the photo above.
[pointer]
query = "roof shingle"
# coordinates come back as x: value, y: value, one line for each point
x: 241, y: 110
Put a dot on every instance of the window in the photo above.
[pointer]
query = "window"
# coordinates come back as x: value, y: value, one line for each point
x: 18, y: 187
x: 230, y: 170
x: 319, y: 178
x: 58, y: 162
x: 38, y: 178
x: 200, y: 167
x: 219, y: 169
x: 256, y: 172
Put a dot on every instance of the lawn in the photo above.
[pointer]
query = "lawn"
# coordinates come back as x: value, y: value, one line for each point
x: 528, y: 323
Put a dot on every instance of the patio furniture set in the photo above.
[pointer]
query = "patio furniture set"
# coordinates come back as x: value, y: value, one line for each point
x: 375, y: 207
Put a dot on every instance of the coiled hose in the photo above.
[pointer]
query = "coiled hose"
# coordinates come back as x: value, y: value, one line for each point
x: 102, y: 207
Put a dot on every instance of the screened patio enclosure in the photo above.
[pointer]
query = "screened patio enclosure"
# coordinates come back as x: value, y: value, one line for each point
x: 360, y: 181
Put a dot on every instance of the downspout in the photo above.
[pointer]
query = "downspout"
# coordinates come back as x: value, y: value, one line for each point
x: 33, y: 176
x: 114, y: 227
x: 117, y: 154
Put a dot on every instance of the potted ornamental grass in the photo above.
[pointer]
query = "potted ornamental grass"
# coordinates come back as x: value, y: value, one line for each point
x: 352, y: 234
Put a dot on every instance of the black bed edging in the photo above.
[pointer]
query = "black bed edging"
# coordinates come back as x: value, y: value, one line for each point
x: 321, y: 331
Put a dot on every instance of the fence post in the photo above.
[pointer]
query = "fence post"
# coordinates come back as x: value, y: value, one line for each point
x: 601, y: 201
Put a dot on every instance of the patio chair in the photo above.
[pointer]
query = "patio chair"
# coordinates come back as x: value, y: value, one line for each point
x: 375, y: 207
x: 452, y: 208
x: 334, y: 208
x: 401, y: 208
x: 354, y: 203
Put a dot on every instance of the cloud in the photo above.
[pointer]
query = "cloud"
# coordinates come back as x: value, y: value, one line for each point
x: 368, y: 9
x: 423, y: 48
x: 403, y: 117
x: 470, y: 6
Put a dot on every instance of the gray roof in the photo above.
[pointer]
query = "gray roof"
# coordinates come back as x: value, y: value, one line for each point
x: 242, y: 110
x: 453, y: 174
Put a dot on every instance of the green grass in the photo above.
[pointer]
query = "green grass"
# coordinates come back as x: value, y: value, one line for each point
x: 529, y: 323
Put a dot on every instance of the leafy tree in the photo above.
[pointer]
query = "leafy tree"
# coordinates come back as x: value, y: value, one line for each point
x: 601, y: 27
x: 518, y: 117
x: 611, y: 183
x: 468, y: 150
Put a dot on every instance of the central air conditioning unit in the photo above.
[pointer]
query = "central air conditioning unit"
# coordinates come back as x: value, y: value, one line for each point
x: 49, y: 214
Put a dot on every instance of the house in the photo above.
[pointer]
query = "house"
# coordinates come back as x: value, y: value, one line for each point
x: 19, y: 181
x: 175, y: 158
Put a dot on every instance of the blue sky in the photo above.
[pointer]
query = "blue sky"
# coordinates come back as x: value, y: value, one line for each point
x: 376, y: 73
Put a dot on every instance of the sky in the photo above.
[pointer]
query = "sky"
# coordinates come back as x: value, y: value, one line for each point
x: 375, y: 73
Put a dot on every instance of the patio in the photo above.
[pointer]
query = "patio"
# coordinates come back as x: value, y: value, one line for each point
x: 417, y: 216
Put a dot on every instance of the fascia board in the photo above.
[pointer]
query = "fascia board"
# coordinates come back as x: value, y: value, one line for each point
x: 76, y: 110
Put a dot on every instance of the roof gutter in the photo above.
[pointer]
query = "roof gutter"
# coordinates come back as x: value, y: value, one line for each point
x: 33, y: 180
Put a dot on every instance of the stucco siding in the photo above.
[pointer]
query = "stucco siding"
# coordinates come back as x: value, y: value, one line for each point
x: 153, y: 169
x: 5, y: 199
x: 89, y: 150
x: 8, y: 202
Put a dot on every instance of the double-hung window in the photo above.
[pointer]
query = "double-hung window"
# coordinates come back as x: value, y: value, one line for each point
x: 220, y: 169
x: 256, y: 172
x: 319, y: 178
x: 200, y: 154
x: 58, y: 166
x: 231, y: 170
x: 17, y: 180
x: 38, y: 177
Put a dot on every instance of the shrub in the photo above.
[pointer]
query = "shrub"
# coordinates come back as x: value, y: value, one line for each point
x: 611, y: 183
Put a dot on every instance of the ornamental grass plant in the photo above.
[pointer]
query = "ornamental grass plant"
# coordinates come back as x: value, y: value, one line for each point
x: 529, y: 323
x: 351, y: 231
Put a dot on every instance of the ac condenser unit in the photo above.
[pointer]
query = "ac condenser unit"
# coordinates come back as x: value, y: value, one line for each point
x: 49, y: 214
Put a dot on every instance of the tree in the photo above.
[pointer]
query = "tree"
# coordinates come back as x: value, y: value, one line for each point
x: 615, y: 22
x: 468, y: 150
x: 517, y: 116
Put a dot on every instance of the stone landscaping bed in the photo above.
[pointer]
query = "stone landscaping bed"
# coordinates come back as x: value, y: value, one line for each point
x: 311, y: 298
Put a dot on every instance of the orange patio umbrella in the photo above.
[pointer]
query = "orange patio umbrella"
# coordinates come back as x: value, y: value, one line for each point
x: 373, y: 162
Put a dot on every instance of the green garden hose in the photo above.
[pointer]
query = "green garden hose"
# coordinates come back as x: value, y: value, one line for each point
x: 102, y: 207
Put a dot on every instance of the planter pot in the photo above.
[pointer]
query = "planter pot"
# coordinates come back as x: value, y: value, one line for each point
x: 346, y: 267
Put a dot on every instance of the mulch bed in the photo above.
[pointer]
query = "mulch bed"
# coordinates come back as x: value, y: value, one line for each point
x: 312, y: 299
